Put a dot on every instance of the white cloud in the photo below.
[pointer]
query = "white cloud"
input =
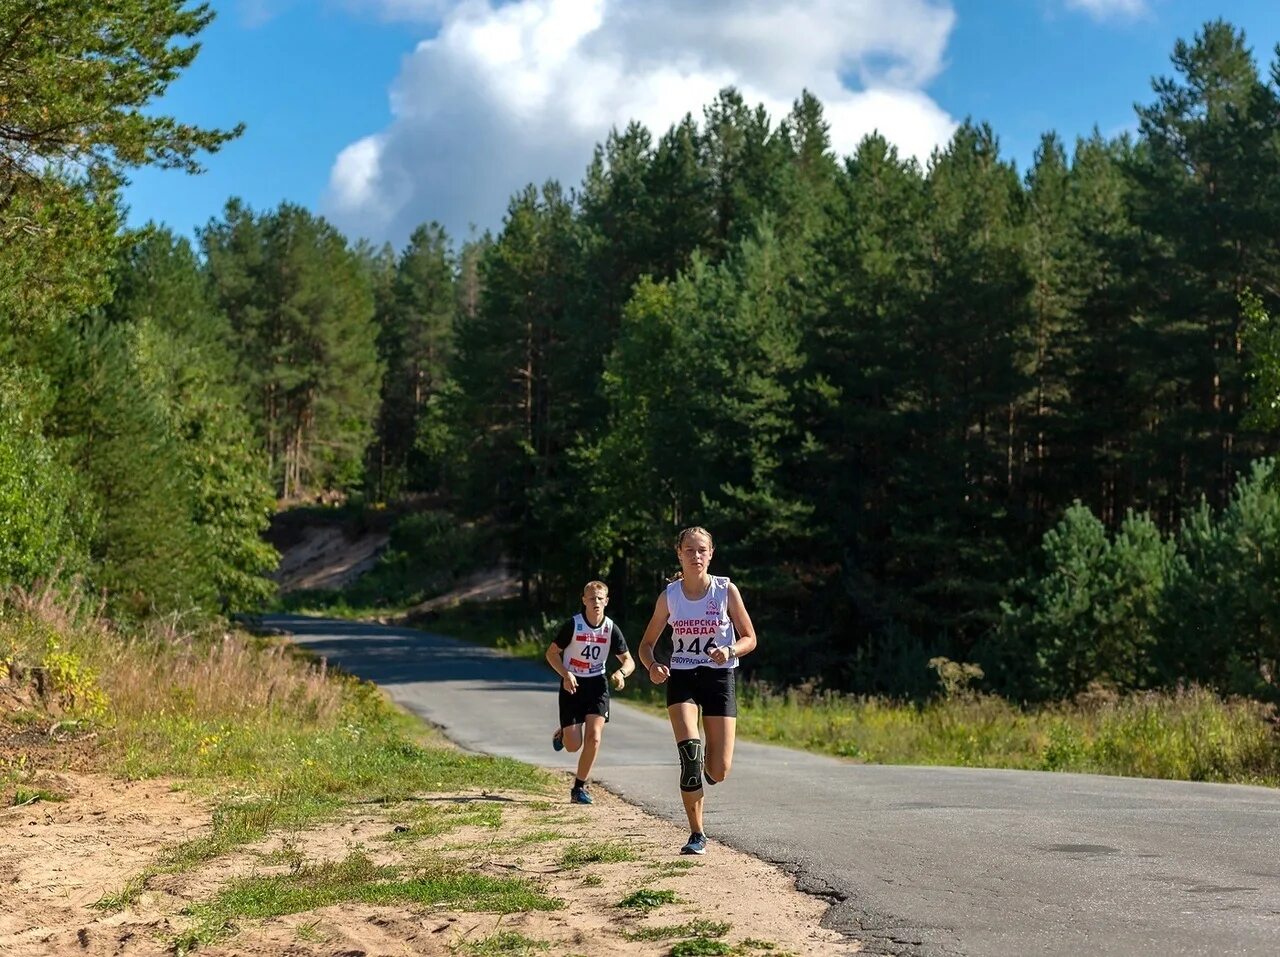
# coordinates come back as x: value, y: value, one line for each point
x: 520, y: 91
x: 409, y: 10
x: 1109, y: 9
x: 255, y: 13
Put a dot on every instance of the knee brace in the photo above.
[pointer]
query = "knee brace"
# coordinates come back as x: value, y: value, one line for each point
x: 690, y: 764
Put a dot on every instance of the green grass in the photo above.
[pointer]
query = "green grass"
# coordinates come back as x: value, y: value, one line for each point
x: 605, y: 852
x: 533, y: 837
x: 672, y: 867
x: 278, y: 743
x: 23, y: 796
x: 694, y: 928
x: 701, y: 947
x: 287, y: 854
x: 432, y: 820
x: 1188, y: 735
x: 387, y: 769
x: 367, y: 757
x: 356, y: 878
x: 507, y: 942
x: 647, y: 898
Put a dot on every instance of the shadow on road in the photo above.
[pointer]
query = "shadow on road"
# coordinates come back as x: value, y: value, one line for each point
x: 396, y: 656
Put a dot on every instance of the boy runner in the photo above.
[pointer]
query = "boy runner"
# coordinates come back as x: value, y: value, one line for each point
x: 579, y: 654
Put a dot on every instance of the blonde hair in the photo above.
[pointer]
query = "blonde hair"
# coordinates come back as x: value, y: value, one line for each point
x: 685, y: 533
x: 595, y: 586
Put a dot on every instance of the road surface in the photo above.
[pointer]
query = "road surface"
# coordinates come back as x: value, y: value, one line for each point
x: 916, y: 861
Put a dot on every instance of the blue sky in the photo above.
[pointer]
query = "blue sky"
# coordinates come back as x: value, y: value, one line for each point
x: 382, y: 114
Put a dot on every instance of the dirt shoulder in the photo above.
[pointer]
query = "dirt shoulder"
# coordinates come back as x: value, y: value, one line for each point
x: 60, y: 858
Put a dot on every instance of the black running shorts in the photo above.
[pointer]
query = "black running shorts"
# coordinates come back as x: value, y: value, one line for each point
x: 592, y: 697
x: 711, y: 689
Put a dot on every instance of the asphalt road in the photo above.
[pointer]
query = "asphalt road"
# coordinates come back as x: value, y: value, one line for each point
x: 917, y: 861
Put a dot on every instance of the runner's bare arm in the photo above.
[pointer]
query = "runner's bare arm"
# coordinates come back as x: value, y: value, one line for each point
x: 658, y: 673
x: 555, y: 658
x: 626, y: 668
x: 745, y: 643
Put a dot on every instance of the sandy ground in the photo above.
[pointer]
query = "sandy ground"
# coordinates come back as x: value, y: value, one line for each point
x: 495, y: 584
x: 325, y: 557
x: 58, y: 858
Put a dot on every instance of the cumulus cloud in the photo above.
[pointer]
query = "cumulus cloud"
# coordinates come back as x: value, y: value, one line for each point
x: 507, y: 93
x: 255, y: 13
x: 1109, y: 9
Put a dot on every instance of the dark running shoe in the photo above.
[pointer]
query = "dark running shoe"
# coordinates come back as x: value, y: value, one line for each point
x: 580, y: 796
x: 557, y: 740
x: 697, y: 844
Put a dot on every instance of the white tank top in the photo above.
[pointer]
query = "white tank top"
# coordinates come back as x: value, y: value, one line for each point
x: 698, y: 625
x: 588, y: 650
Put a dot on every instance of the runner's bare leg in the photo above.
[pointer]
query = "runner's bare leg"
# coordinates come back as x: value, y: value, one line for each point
x: 684, y: 723
x: 721, y: 733
x: 572, y: 737
x: 591, y: 736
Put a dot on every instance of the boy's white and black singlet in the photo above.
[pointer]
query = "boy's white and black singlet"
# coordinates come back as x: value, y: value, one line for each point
x: 586, y: 647
x: 698, y: 625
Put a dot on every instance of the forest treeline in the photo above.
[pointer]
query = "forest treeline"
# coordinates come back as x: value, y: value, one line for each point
x: 947, y: 408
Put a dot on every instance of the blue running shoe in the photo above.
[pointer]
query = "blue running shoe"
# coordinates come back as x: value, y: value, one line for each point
x: 581, y: 796
x: 697, y: 844
x: 557, y: 740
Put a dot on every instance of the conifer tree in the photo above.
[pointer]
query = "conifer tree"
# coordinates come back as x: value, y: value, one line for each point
x: 162, y: 293
x: 415, y: 338
x: 301, y: 309
x: 1204, y: 186
x: 113, y: 420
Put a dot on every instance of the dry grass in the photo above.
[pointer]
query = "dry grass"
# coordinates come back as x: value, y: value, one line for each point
x: 230, y: 675
x: 167, y: 664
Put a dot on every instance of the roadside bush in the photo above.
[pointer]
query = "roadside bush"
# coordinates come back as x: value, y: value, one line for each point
x: 1092, y: 615
x: 41, y: 533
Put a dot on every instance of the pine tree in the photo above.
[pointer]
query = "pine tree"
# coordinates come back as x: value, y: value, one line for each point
x: 415, y: 339
x: 1204, y: 183
x: 301, y: 308
x: 957, y: 510
x: 701, y: 422
x: 517, y: 401
x: 162, y: 294
x: 80, y: 81
x: 113, y: 421
x: 871, y: 278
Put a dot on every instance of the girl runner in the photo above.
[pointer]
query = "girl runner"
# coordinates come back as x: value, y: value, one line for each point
x: 710, y: 631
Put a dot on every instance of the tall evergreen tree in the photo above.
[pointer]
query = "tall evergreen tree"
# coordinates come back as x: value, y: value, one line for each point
x: 955, y: 467
x: 80, y: 80
x: 701, y: 427
x: 517, y: 401
x: 1204, y: 181
x: 113, y: 420
x: 871, y: 277
x: 162, y: 293
x: 415, y: 338
x: 301, y: 308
